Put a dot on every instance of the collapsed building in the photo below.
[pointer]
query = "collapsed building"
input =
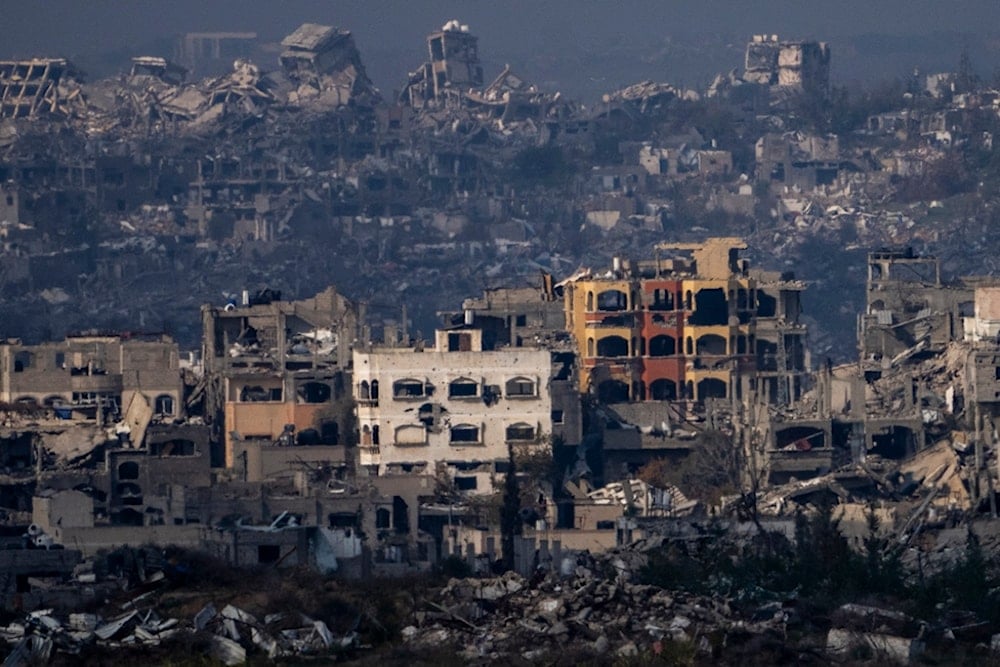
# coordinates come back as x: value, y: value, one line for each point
x: 452, y: 69
x: 799, y: 64
x: 275, y: 371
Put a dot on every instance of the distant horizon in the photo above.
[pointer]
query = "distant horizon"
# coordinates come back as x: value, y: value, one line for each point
x: 581, y: 47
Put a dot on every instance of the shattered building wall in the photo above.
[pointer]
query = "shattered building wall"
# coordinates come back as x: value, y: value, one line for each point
x: 93, y: 377
x: 681, y: 328
x: 909, y: 312
x: 325, y: 62
x: 29, y: 88
x: 277, y: 368
x: 455, y: 406
x: 799, y: 64
x: 453, y: 67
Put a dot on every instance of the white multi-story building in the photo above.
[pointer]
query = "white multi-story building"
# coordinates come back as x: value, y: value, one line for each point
x: 456, y: 406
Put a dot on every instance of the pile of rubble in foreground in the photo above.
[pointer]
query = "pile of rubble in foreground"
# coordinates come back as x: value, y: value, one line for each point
x: 599, y: 612
x: 511, y: 617
x: 229, y: 634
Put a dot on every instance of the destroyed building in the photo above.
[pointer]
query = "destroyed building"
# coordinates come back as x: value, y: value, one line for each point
x: 685, y: 328
x: 275, y: 371
x: 909, y: 311
x: 325, y: 63
x: 94, y: 377
x: 798, y: 64
x: 29, y: 88
x: 452, y: 69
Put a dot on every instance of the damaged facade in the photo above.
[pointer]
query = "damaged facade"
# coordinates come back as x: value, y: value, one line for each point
x: 458, y: 407
x: 275, y: 371
x: 692, y: 328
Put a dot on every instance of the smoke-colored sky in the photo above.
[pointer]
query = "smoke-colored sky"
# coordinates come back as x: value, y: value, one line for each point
x: 390, y: 34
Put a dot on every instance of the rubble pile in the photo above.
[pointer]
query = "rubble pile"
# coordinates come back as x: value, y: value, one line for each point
x: 231, y: 633
x: 505, y: 617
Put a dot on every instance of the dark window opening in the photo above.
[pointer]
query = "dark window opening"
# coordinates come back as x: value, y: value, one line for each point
x: 128, y: 470
x: 314, y: 392
x: 663, y: 390
x: 612, y: 346
x: 612, y: 391
x: 268, y: 553
x: 464, y: 433
x: 521, y: 432
x: 463, y: 389
x: 662, y: 346
x: 407, y: 388
x: 459, y: 342
x: 612, y: 300
x: 466, y: 483
x: 711, y: 308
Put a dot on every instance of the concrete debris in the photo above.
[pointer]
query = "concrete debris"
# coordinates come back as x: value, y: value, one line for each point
x: 233, y: 633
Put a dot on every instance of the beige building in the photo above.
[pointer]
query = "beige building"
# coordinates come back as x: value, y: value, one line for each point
x: 275, y: 369
x: 93, y: 377
x: 456, y: 406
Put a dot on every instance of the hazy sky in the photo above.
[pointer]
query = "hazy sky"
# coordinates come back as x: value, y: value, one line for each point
x: 390, y: 34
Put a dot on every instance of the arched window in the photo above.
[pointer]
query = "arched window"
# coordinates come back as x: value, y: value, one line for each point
x: 711, y: 344
x: 164, y: 404
x: 520, y: 432
x: 463, y: 388
x: 408, y: 388
x: 520, y: 387
x: 590, y: 300
x: 464, y: 434
x: 612, y: 346
x: 590, y: 347
x: 663, y: 390
x: 366, y: 435
x: 128, y: 470
x: 364, y: 391
x: 662, y: 346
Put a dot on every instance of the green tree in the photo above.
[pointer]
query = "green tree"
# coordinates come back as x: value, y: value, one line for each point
x: 510, y: 512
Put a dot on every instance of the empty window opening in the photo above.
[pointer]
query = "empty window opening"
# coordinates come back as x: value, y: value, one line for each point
x: 612, y: 346
x: 163, y: 404
x: 22, y: 360
x: 268, y: 553
x: 521, y: 386
x: 175, y: 447
x: 612, y: 300
x: 613, y: 391
x: 408, y: 388
x: 314, y: 392
x: 662, y: 300
x: 128, y: 470
x: 521, y: 432
x: 712, y: 345
x: 662, y: 346
x: 711, y: 308
x: 129, y: 493
x: 711, y: 388
x: 663, y: 390
x: 465, y: 433
x: 466, y: 483
x: 463, y: 388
